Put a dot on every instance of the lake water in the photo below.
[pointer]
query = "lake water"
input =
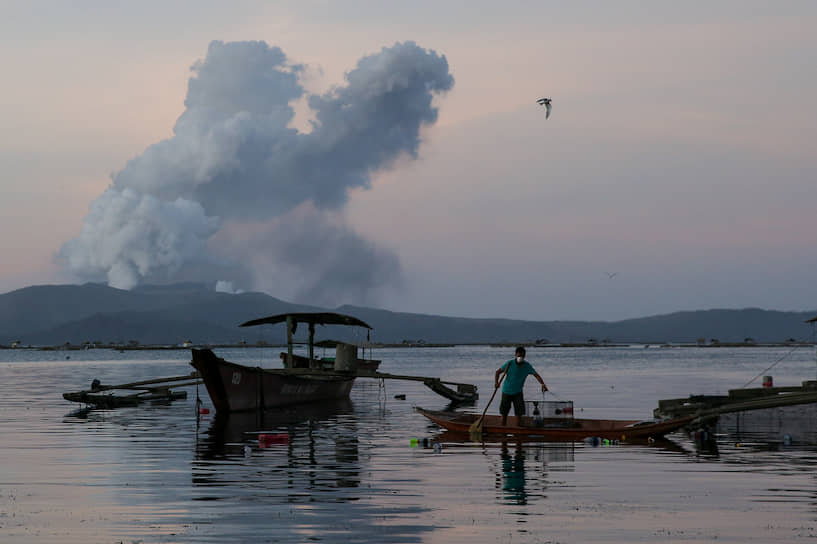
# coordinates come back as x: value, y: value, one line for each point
x: 348, y: 473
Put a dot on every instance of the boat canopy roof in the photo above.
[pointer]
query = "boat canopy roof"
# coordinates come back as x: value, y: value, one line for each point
x: 315, y: 318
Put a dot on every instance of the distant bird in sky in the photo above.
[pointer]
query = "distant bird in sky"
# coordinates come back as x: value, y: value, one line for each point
x: 546, y: 103
x: 611, y: 275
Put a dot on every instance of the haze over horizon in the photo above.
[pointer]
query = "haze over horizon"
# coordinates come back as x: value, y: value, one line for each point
x: 327, y: 154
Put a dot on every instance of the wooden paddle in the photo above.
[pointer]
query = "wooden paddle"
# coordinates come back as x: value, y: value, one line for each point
x: 476, y: 427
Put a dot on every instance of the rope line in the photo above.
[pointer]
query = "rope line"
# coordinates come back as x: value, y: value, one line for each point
x: 771, y: 367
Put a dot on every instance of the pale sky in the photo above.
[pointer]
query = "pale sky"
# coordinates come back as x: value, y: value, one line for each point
x: 676, y: 171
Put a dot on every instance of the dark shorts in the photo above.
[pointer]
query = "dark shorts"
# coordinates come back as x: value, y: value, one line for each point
x: 518, y: 401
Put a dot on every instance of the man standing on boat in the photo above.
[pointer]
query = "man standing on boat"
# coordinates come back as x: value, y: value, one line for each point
x: 516, y: 371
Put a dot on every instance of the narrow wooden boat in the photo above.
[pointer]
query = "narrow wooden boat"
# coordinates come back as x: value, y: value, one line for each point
x: 235, y: 388
x: 558, y: 430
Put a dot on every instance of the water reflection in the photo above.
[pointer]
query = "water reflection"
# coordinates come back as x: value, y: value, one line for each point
x: 228, y: 430
x: 706, y: 443
x: 522, y: 473
x: 513, y: 474
x: 783, y: 426
x: 313, y: 463
x: 313, y: 440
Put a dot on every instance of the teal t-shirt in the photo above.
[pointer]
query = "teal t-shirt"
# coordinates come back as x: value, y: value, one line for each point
x: 515, y: 379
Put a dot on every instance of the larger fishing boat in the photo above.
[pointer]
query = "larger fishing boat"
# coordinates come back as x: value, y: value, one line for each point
x: 236, y: 388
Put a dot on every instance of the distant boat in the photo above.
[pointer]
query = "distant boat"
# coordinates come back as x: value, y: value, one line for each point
x: 236, y: 388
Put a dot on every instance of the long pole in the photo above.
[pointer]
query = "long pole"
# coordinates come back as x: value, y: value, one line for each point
x: 476, y: 427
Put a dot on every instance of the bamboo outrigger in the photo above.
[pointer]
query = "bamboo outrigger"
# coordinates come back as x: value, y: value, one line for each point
x: 155, y: 390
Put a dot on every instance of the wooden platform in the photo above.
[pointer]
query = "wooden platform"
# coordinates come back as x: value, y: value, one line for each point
x: 738, y: 400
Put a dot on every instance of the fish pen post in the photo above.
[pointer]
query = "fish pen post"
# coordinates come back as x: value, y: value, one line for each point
x: 812, y: 322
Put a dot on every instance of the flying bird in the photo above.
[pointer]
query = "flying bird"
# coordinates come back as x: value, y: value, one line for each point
x: 546, y: 103
x: 611, y: 275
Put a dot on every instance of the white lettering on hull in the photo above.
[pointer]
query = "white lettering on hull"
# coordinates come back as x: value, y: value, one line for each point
x: 289, y: 389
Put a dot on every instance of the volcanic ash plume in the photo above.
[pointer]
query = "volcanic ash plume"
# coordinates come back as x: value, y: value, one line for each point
x: 177, y: 211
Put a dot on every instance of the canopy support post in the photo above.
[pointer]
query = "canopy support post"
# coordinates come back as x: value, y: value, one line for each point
x: 290, y: 328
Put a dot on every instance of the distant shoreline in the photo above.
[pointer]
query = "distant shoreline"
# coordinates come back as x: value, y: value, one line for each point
x: 611, y: 345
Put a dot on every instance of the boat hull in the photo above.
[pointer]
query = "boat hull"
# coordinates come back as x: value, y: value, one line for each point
x: 558, y: 430
x: 239, y: 388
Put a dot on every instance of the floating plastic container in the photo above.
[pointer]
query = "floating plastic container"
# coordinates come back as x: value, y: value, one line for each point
x: 594, y: 441
x: 265, y: 440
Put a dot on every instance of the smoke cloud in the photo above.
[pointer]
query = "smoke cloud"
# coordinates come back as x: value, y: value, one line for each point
x: 129, y: 236
x: 236, y: 190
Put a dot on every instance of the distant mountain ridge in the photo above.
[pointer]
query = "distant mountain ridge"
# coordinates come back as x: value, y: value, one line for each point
x: 49, y: 315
